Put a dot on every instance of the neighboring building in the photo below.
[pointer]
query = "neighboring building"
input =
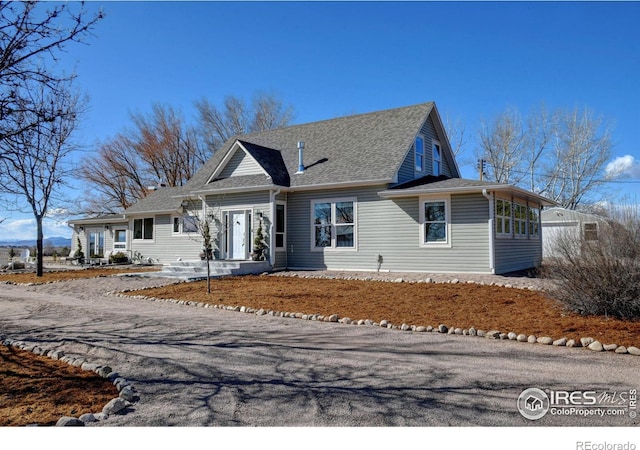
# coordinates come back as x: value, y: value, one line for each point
x: 377, y: 191
x: 561, y: 223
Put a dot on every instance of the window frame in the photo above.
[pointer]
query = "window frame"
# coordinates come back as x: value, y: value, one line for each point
x: 596, y: 230
x: 282, y: 233
x: 423, y: 200
x: 419, y: 155
x: 96, y: 240
x: 333, y: 225
x: 180, y: 219
x: 533, y: 222
x: 520, y: 224
x: 435, y: 143
x: 143, y: 221
x: 502, y: 233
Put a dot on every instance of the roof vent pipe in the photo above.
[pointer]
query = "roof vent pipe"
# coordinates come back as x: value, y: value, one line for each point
x: 300, y: 158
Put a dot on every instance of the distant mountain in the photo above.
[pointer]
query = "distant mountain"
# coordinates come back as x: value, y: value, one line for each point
x: 55, y: 241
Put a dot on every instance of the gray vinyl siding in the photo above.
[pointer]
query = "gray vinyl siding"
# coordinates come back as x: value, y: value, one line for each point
x: 240, y: 164
x: 166, y: 246
x: 390, y: 228
x: 517, y: 254
x: 407, y: 170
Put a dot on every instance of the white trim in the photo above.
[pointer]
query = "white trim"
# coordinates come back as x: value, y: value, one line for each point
x: 133, y: 230
x: 446, y: 199
x: 312, y: 230
x: 126, y: 239
x: 435, y: 142
x: 237, y: 145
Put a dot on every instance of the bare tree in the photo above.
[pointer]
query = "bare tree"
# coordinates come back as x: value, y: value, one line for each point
x: 31, y: 39
x: 456, y: 132
x: 36, y: 167
x: 502, y: 147
x: 158, y: 148
x: 559, y: 154
x: 218, y: 125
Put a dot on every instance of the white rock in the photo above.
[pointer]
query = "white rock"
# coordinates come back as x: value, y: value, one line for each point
x: 512, y: 336
x: 545, y: 340
x: 633, y: 351
x: 560, y: 342
x: 596, y: 346
x: 610, y: 347
x: 532, y: 339
x: 585, y: 341
x: 622, y: 349
x: 521, y: 338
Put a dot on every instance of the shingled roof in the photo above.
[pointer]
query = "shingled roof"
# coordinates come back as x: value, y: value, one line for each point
x: 347, y: 150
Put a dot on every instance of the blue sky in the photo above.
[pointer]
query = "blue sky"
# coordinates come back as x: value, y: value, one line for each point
x: 474, y: 59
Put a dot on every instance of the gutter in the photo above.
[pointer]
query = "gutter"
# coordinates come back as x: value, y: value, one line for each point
x: 492, y: 253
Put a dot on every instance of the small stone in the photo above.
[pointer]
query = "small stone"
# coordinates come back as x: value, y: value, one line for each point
x: 345, y: 320
x: 586, y: 341
x: 472, y: 332
x: 480, y: 333
x: 87, y: 418
x: 369, y: 322
x: 532, y: 339
x: 521, y: 338
x: 458, y: 331
x: 442, y: 328
x: 398, y: 280
x: 596, y: 346
x: 384, y: 323
x: 512, y: 336
x: 262, y: 312
x: 405, y: 327
x: 465, y: 332
x: 493, y: 334
x: 429, y: 328
x: 451, y: 331
x: 421, y: 329
x: 573, y: 343
x: 503, y: 336
x: 114, y: 406
x: 560, y: 342
x: 333, y: 318
x: 69, y: 422
x: 545, y: 340
x: 610, y: 347
x: 129, y: 394
x: 622, y: 350
x: 633, y: 351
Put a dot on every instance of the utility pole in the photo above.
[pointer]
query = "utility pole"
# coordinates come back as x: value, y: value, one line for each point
x: 481, y: 166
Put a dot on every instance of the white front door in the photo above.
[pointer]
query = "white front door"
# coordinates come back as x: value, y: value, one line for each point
x: 238, y: 231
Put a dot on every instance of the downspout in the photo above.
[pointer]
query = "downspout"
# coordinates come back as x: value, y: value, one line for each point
x: 272, y: 229
x: 492, y: 255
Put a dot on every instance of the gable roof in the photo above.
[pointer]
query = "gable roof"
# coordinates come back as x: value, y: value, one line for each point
x: 164, y: 199
x: 363, y: 148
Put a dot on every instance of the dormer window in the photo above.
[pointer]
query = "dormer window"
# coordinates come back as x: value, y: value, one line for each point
x: 419, y: 154
x: 437, y: 158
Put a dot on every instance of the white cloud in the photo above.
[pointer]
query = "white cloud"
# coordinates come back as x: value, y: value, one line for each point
x: 623, y: 167
x: 19, y: 229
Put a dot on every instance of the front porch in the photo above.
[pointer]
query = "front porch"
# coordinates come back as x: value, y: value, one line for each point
x: 197, y: 269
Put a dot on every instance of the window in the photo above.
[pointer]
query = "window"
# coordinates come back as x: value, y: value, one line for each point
x: 503, y: 217
x: 143, y: 228
x: 534, y: 222
x: 520, y: 220
x: 280, y: 225
x: 185, y: 224
x: 590, y: 231
x: 120, y: 239
x: 437, y: 159
x: 419, y: 154
x: 333, y: 224
x: 434, y: 217
x: 96, y: 244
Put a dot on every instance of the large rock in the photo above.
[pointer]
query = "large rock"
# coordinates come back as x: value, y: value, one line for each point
x: 596, y: 346
x: 443, y: 328
x: 545, y: 340
x: 115, y: 406
x: 560, y: 342
x: 586, y: 341
x: 633, y: 351
x: 69, y: 422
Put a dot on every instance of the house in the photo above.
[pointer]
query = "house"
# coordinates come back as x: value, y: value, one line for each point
x: 377, y: 191
x: 561, y: 223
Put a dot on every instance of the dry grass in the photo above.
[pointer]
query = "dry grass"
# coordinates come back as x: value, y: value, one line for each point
x: 71, y: 274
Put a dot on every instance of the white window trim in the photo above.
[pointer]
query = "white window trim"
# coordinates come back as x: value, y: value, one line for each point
x: 529, y: 222
x: 420, y: 169
x: 275, y: 232
x: 524, y: 221
x: 142, y: 240
x: 126, y: 240
x: 447, y: 213
x: 181, y: 231
x: 312, y: 229
x: 501, y: 235
x: 435, y: 142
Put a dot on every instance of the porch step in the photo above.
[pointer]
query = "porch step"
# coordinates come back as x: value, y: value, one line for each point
x: 197, y: 269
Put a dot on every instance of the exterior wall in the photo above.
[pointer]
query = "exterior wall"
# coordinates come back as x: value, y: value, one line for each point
x: 391, y: 229
x: 166, y: 246
x: 407, y: 170
x: 240, y: 164
x: 89, y: 228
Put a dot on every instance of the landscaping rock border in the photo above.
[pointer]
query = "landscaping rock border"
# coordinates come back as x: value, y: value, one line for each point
x: 585, y: 342
x: 127, y: 392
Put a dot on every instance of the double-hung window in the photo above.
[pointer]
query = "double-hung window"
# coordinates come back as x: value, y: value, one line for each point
x: 520, y: 220
x: 437, y: 158
x: 534, y: 222
x: 434, y: 222
x: 419, y: 149
x: 143, y: 228
x: 334, y: 224
x: 590, y: 231
x: 503, y: 217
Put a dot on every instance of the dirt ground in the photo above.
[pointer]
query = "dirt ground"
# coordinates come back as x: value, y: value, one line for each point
x: 460, y: 305
x: 35, y: 389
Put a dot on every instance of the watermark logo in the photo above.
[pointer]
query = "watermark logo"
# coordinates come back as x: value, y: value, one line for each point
x: 533, y: 403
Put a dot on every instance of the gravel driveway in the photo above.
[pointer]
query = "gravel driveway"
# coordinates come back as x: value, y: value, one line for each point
x: 196, y: 366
